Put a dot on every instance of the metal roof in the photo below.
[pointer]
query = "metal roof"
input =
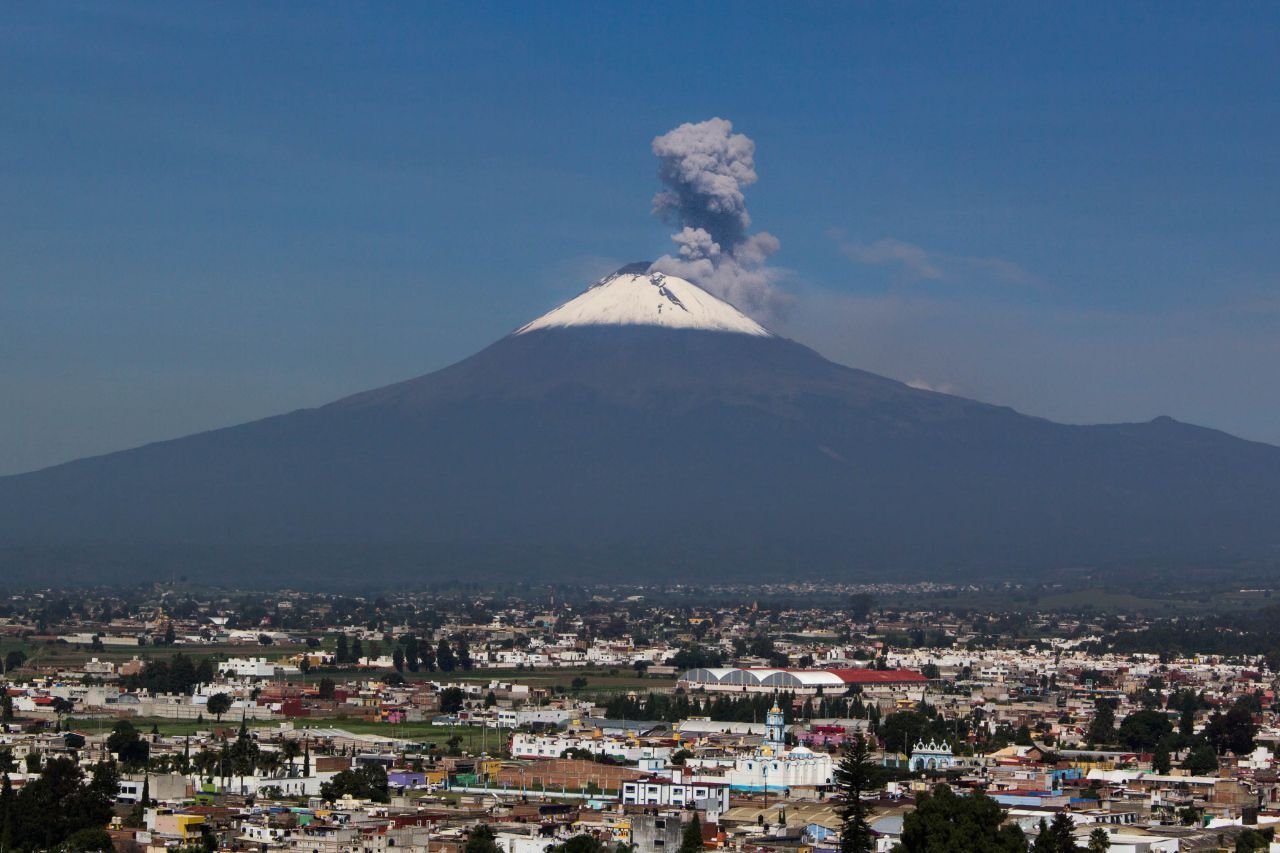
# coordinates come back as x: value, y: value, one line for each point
x: 788, y: 678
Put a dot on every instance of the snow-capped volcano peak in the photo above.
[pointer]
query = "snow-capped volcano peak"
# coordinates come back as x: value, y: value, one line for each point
x: 636, y: 298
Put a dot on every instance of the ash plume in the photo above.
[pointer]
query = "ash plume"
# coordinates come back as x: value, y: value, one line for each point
x: 705, y: 166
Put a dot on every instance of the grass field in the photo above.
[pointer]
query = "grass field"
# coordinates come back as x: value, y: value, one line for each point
x: 56, y: 653
x: 474, y: 739
x: 603, y: 681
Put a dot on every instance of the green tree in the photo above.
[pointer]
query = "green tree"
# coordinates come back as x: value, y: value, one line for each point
x: 1188, y: 703
x: 579, y: 844
x: 1044, y: 841
x: 946, y: 823
x: 219, y: 704
x: 52, y: 809
x: 128, y: 745
x: 205, y: 763
x: 1253, y: 839
x: 203, y: 672
x: 1056, y: 837
x: 853, y: 777
x: 6, y: 813
x: 243, y: 754
x: 691, y: 840
x: 1160, y: 760
x: 481, y: 840
x: 1234, y: 730
x: 1099, y: 841
x: 343, y: 653
x: 451, y: 699
x: 363, y: 783
x: 1143, y: 730
x: 289, y: 752
x: 1202, y: 759
x: 464, y: 654
x: 901, y: 730
x: 412, y: 658
x: 444, y: 657
x: 91, y: 839
x: 1102, y: 728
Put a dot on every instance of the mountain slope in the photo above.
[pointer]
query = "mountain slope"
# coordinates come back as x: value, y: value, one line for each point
x: 589, y: 449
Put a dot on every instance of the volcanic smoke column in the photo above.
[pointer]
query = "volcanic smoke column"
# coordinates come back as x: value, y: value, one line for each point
x: 705, y: 166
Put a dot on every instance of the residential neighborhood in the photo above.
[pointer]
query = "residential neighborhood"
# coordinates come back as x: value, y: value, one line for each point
x: 327, y: 723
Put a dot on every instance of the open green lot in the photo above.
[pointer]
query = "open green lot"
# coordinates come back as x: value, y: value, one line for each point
x: 599, y: 680
x: 474, y: 739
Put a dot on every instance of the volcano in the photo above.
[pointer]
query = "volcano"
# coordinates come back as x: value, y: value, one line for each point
x: 645, y: 430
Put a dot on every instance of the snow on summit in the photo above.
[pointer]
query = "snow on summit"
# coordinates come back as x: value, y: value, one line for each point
x: 647, y: 299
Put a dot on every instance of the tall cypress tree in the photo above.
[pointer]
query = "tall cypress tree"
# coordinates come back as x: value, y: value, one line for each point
x: 691, y: 841
x: 444, y: 657
x: 341, y: 654
x: 853, y: 777
x: 1055, y: 837
x: 6, y: 814
x: 1160, y: 760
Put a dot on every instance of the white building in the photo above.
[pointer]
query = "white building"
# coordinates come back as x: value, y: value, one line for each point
x: 255, y: 667
x: 931, y: 756
x: 772, y: 767
x: 525, y: 745
x: 679, y: 792
x: 511, y: 717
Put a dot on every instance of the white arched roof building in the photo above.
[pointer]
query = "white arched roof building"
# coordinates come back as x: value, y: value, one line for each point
x: 803, y: 681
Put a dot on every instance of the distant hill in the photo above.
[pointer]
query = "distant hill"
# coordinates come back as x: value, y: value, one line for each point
x: 645, y: 430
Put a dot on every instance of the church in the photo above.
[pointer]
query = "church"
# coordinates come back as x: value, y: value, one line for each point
x: 771, y: 766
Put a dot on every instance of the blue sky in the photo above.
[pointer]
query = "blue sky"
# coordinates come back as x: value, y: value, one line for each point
x: 212, y: 213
